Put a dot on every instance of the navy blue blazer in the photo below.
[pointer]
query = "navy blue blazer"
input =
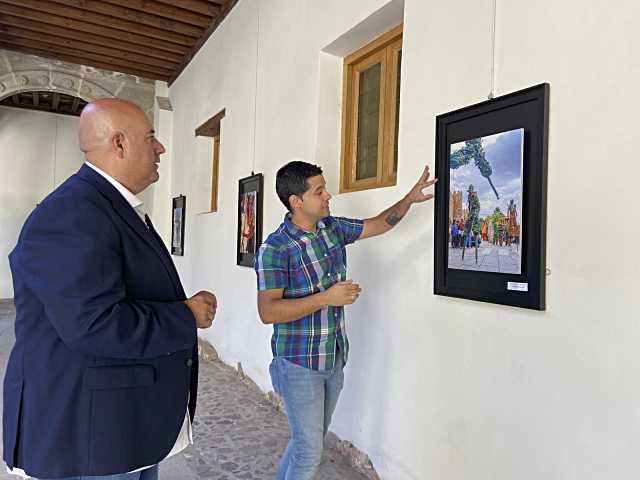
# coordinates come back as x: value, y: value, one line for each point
x: 105, y: 355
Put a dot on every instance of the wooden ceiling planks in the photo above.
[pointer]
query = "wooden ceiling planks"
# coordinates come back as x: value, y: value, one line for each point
x: 9, y: 24
x: 202, y: 7
x: 77, y: 45
x: 223, y: 13
x: 46, y: 19
x: 169, y: 11
x: 155, y: 39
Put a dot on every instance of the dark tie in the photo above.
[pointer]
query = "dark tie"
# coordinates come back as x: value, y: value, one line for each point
x: 154, y: 234
x: 164, y: 250
x: 147, y: 220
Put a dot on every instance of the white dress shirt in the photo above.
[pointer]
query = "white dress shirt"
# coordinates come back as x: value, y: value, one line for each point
x: 185, y: 437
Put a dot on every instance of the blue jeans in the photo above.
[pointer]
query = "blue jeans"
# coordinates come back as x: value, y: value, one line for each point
x: 150, y: 473
x: 310, y: 397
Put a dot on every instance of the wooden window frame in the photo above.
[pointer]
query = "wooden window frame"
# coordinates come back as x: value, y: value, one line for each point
x: 383, y: 50
x: 214, y: 173
x: 211, y: 128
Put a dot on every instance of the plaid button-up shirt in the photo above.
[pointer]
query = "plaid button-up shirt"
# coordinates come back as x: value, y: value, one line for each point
x: 305, y: 263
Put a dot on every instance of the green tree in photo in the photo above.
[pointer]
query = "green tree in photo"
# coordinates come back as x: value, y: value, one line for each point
x: 473, y: 150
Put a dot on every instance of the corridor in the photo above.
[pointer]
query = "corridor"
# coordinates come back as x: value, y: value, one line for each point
x: 238, y: 434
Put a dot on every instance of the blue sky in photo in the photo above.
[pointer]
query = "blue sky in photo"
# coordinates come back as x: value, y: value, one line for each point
x: 504, y: 152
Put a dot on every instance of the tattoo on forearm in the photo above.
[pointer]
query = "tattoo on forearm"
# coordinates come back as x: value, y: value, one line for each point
x: 393, y: 219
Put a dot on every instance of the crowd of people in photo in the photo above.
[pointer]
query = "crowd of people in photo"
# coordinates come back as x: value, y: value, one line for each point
x: 499, y: 233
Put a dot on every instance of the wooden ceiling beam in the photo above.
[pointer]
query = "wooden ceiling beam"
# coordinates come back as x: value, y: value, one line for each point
x: 102, y: 20
x: 103, y: 64
x: 223, y: 13
x: 51, y: 19
x: 59, y: 50
x: 34, y: 26
x: 101, y: 7
x: 198, y: 6
x: 170, y: 11
x: 81, y: 47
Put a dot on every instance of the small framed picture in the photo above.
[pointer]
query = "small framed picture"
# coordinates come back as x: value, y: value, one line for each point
x: 491, y: 197
x: 177, y: 225
x: 250, y: 193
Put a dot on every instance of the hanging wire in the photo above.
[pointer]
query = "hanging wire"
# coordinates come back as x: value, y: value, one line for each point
x: 492, y: 81
x: 255, y: 90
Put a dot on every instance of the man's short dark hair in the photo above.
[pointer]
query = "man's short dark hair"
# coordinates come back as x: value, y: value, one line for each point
x: 292, y: 180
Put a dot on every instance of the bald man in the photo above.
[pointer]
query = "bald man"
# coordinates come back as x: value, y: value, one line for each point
x: 102, y: 379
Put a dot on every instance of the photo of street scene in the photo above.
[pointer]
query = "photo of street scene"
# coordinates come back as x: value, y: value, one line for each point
x: 485, y: 203
x: 248, y: 206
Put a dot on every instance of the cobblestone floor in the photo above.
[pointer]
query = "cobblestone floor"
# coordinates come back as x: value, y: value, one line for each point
x: 238, y: 434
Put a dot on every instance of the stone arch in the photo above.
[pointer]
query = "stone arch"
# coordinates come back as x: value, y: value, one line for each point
x: 21, y: 73
x: 51, y: 81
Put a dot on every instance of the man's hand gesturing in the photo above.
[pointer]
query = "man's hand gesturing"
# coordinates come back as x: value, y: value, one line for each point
x: 203, y: 305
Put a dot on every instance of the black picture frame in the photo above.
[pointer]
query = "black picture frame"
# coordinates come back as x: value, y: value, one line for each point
x: 249, y: 231
x: 528, y: 110
x: 178, y: 217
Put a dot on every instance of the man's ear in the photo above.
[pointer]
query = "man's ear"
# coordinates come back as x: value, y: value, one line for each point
x: 118, y: 143
x: 295, y: 202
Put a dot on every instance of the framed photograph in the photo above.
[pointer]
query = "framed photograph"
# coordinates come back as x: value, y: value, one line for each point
x: 491, y: 198
x: 249, y: 219
x: 178, y: 217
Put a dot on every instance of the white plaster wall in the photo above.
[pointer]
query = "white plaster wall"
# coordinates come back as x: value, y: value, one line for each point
x: 38, y: 151
x: 438, y: 387
x: 209, y: 260
x: 160, y: 212
x: 224, y: 76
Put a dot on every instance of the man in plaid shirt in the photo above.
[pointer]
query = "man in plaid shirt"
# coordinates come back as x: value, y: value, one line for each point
x: 302, y: 290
